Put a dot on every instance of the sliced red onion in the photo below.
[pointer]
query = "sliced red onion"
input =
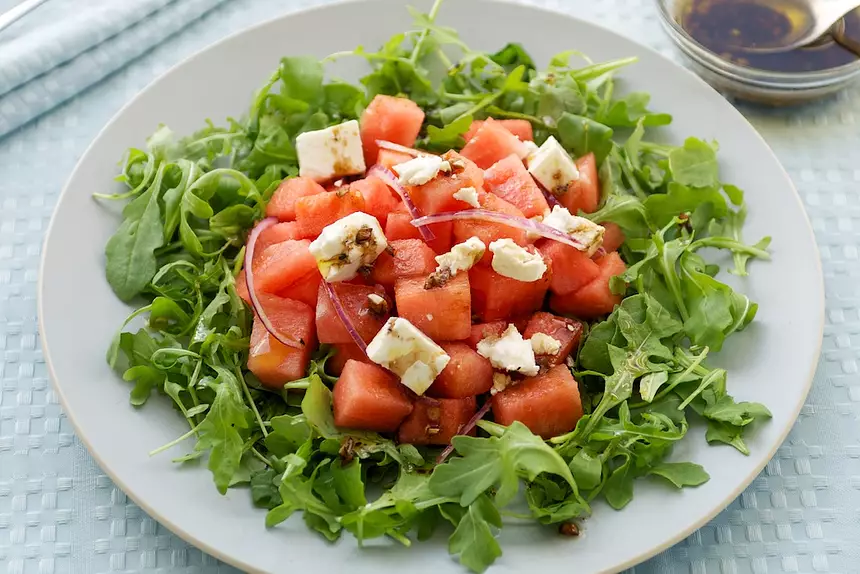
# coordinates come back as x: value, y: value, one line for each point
x: 249, y: 279
x: 344, y: 317
x: 600, y: 252
x: 550, y: 198
x: 391, y: 181
x: 512, y: 220
x: 467, y: 428
x: 391, y: 146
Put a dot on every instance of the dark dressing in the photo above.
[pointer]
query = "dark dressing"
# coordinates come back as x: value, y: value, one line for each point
x: 726, y: 27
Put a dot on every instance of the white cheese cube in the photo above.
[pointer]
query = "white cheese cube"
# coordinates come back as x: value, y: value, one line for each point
x: 421, y: 169
x: 543, y: 344
x: 553, y: 167
x: 586, y: 232
x: 510, y: 352
x: 462, y: 257
x: 331, y: 153
x: 468, y: 195
x: 511, y: 260
x: 404, y: 350
x: 501, y: 381
x: 347, y: 245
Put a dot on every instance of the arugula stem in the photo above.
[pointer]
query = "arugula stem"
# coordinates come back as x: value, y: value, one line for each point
x: 731, y: 245
x: 520, y: 116
x: 175, y: 442
x: 462, y: 97
x: 251, y: 402
x: 301, y: 384
x: 261, y: 457
x: 431, y: 16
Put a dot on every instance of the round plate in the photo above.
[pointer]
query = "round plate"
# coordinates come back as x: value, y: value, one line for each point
x: 771, y: 362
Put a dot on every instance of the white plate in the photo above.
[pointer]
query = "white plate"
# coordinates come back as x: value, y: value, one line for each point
x: 772, y: 362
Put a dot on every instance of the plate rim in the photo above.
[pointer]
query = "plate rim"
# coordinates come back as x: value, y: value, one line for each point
x: 237, y: 562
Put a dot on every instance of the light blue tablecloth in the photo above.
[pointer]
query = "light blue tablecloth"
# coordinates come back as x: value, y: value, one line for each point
x: 58, y: 511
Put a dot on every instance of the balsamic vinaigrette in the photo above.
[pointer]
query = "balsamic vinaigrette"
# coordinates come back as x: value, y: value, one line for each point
x: 726, y: 27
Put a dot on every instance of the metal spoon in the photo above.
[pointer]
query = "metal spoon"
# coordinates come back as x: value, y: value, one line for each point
x: 817, y: 17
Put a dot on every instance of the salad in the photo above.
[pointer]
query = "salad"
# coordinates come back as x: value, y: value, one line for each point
x: 406, y: 304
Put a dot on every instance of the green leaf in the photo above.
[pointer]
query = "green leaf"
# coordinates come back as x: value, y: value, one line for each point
x: 450, y: 136
x: 584, y: 135
x: 348, y: 483
x: 726, y: 410
x: 264, y: 489
x: 587, y: 469
x: 630, y: 110
x: 651, y: 383
x: 618, y: 490
x: 511, y: 56
x: 302, y: 78
x: 473, y: 539
x: 695, y: 164
x: 681, y: 474
x: 146, y: 379
x: 663, y: 208
x: 728, y: 434
x: 316, y: 407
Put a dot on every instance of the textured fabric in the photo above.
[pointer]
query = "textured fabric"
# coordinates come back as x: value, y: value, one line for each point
x: 59, y: 513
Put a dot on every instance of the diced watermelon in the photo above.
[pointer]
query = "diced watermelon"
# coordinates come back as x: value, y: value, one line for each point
x: 353, y: 298
x: 572, y: 269
x: 399, y: 226
x: 278, y: 233
x: 389, y: 158
x: 613, y: 238
x: 584, y: 193
x: 305, y: 289
x: 368, y: 397
x: 283, y: 202
x: 314, y: 212
x: 595, y: 299
x: 489, y: 231
x: 491, y: 143
x: 383, y: 271
x: 271, y: 361
x: 282, y: 265
x: 343, y: 353
x: 549, y: 404
x: 520, y: 128
x: 466, y: 375
x: 436, y: 421
x: 412, y: 257
x: 437, y: 195
x: 378, y: 199
x: 397, y: 120
x: 497, y: 297
x: 495, y: 329
x: 242, y: 287
x: 509, y: 179
x: 566, y: 331
x: 443, y: 313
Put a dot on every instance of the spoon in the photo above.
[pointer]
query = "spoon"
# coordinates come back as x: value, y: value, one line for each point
x: 816, y: 18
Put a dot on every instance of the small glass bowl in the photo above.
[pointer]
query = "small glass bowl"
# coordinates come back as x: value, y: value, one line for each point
x: 763, y: 86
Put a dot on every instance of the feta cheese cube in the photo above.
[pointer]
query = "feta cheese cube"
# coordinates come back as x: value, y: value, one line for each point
x: 543, y: 344
x: 579, y: 228
x: 501, y: 381
x: 404, y: 350
x: 511, y: 260
x: 462, y: 257
x: 421, y: 169
x: 331, y: 153
x: 510, y: 352
x: 553, y: 167
x: 531, y: 147
x: 468, y: 195
x: 347, y: 245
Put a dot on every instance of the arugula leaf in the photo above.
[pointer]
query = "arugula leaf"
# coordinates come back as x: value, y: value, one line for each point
x: 680, y: 199
x: 681, y: 474
x: 728, y: 434
x: 473, y: 539
x: 695, y: 164
x: 631, y: 110
x: 584, y: 135
x: 726, y: 410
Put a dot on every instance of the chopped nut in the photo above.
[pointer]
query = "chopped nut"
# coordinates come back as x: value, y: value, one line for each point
x: 568, y: 529
x: 378, y: 305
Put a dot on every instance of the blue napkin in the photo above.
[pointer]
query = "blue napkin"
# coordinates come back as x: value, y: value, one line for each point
x: 65, y: 46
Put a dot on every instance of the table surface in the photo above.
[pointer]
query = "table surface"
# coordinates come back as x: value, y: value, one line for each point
x: 60, y: 513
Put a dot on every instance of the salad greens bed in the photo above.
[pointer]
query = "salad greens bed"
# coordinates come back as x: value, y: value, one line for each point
x: 642, y: 371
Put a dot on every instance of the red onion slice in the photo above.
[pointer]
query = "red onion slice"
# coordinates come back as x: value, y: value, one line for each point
x: 344, y: 317
x: 550, y: 198
x: 391, y: 181
x: 467, y: 428
x: 391, y: 146
x: 512, y: 220
x: 249, y: 279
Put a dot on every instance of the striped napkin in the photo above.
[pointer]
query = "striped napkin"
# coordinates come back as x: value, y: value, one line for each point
x: 66, y: 46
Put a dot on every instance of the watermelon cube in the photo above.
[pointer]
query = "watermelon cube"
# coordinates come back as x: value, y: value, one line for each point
x: 397, y: 120
x: 412, y: 257
x: 436, y: 421
x: 270, y: 360
x: 343, y: 353
x: 595, y: 299
x: 443, y: 313
x: 367, y: 397
x: 389, y: 158
x: 378, y: 199
x: 489, y: 231
x: 496, y: 297
x: 572, y: 269
x: 306, y: 289
x: 383, y: 271
x: 466, y: 375
x: 491, y: 143
x: 356, y: 305
x: 278, y: 233
x: 565, y: 331
x: 283, y: 264
x: 437, y: 195
x: 283, y: 202
x: 613, y: 238
x: 548, y: 404
x: 520, y: 128
x: 509, y: 179
x: 584, y: 193
x: 314, y: 212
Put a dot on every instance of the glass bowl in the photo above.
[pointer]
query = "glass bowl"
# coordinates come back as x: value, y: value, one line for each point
x: 764, y: 86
